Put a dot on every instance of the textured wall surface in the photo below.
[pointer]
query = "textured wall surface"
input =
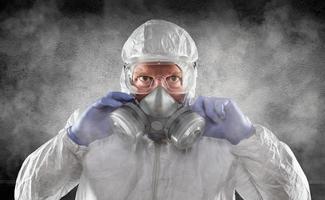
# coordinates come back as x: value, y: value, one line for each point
x: 60, y: 55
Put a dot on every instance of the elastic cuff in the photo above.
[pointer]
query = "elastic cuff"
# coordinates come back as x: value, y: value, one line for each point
x: 75, y: 148
x: 74, y: 138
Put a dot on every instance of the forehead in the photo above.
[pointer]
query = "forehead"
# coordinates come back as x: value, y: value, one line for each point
x: 153, y: 68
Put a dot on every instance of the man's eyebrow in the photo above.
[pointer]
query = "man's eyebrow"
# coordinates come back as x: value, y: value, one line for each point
x: 140, y: 73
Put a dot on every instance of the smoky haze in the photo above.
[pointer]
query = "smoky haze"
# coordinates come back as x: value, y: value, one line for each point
x: 58, y: 56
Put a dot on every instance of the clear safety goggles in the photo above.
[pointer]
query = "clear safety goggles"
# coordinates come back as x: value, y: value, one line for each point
x: 174, y: 84
x: 145, y: 84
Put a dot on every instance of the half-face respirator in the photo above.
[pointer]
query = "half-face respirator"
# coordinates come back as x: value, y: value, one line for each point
x: 159, y: 117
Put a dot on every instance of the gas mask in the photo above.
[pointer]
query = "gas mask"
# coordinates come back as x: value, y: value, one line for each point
x: 159, y: 117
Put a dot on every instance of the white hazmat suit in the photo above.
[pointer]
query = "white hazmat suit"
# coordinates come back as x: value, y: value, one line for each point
x: 259, y: 167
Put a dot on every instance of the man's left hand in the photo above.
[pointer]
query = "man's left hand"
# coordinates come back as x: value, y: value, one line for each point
x: 223, y: 119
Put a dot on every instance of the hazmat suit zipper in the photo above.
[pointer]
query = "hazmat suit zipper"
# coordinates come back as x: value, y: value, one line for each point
x: 156, y: 169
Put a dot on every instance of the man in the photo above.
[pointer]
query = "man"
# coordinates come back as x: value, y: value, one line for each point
x: 154, y: 141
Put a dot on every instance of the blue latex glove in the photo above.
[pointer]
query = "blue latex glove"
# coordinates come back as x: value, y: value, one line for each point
x: 223, y: 119
x: 94, y: 123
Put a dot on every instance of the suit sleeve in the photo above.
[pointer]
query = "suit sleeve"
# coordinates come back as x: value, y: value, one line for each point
x: 268, y: 169
x: 52, y: 170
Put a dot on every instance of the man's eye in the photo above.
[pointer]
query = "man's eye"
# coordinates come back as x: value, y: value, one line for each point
x: 173, y: 78
x: 145, y: 78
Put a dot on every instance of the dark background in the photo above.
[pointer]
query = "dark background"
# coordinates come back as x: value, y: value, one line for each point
x: 60, y: 55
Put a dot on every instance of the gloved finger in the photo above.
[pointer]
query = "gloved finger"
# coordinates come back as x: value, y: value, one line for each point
x: 120, y: 96
x: 220, y: 108
x: 107, y: 102
x: 209, y: 107
x: 198, y: 107
x: 231, y: 107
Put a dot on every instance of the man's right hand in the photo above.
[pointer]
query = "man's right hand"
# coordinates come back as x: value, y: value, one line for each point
x: 94, y: 123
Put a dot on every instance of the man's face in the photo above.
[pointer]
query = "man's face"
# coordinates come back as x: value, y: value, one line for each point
x: 147, y: 76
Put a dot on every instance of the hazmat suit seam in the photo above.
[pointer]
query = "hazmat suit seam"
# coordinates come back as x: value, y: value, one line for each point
x: 251, y: 179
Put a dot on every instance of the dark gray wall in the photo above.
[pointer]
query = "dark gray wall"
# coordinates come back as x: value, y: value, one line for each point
x: 57, y: 56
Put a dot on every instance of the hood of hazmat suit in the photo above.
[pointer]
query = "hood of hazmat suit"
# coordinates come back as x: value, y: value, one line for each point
x: 259, y: 167
x: 160, y: 41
